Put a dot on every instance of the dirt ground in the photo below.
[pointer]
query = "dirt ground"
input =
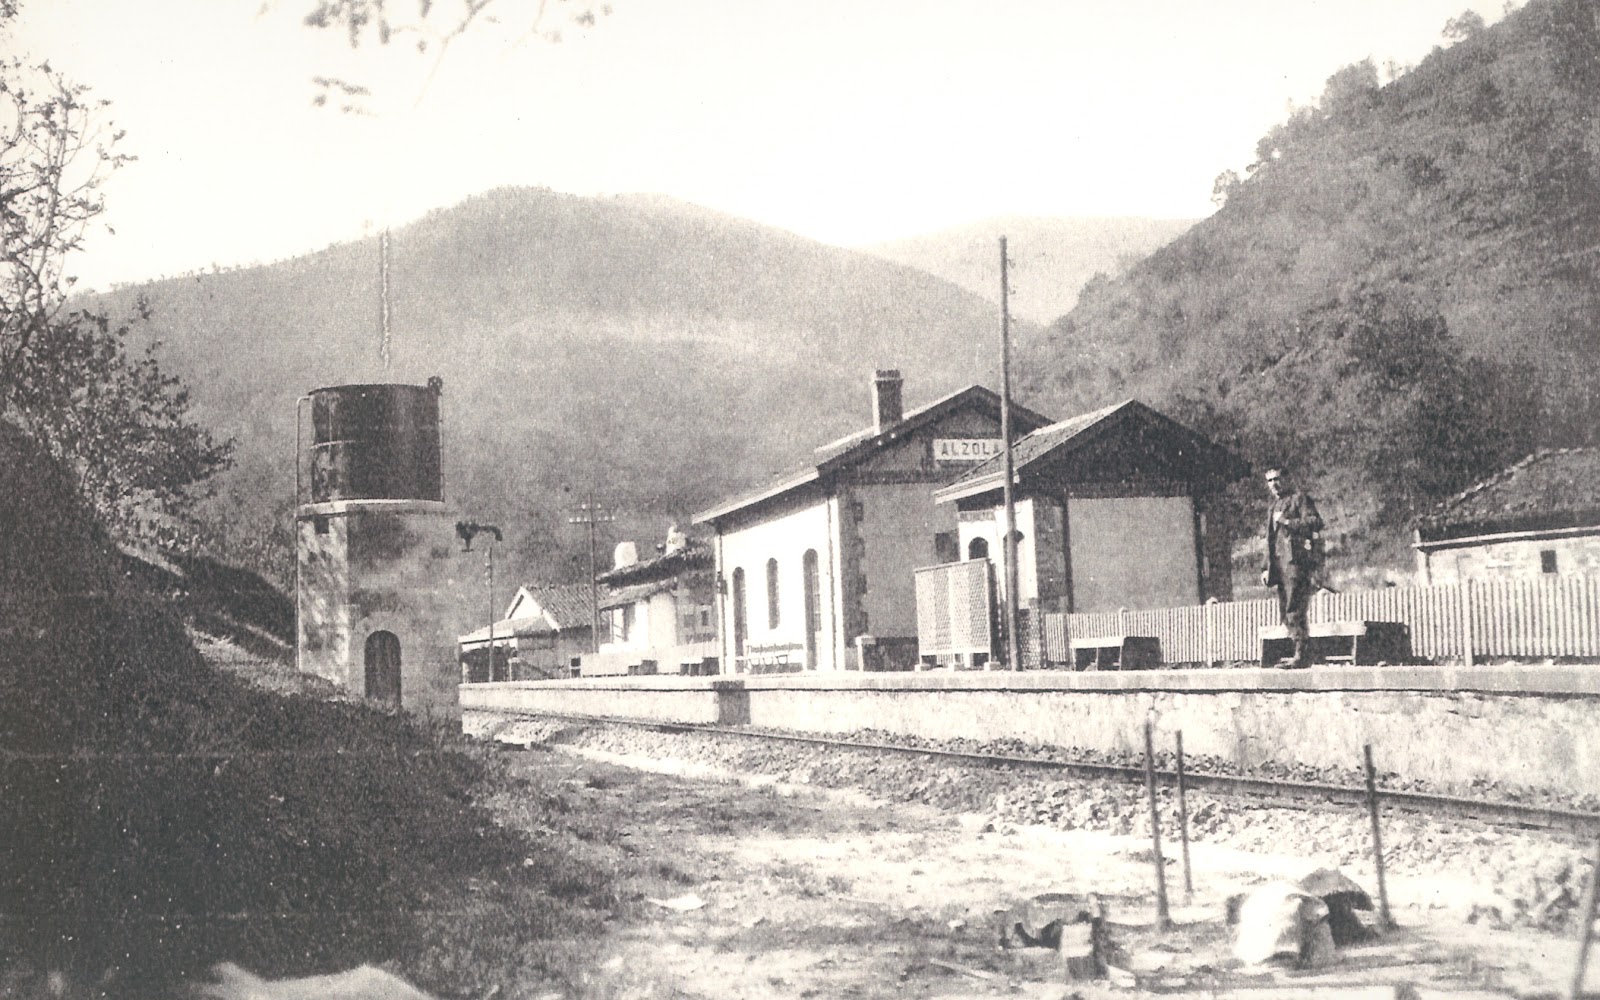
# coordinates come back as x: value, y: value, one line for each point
x: 800, y: 892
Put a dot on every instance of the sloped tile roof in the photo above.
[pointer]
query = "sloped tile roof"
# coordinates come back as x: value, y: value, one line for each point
x: 692, y: 557
x: 619, y: 596
x: 1550, y: 489
x: 507, y: 628
x: 1042, y: 440
x: 860, y: 445
x: 567, y: 603
x: 1073, y: 431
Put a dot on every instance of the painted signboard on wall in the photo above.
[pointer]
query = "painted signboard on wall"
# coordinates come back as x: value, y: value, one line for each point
x: 965, y: 449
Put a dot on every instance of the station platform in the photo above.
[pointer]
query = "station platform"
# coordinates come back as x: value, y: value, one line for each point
x: 1520, y: 725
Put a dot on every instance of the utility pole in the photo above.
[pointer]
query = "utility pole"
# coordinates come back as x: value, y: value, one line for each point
x: 490, y: 559
x: 591, y: 514
x: 1009, y: 545
x: 467, y: 531
x: 384, y: 346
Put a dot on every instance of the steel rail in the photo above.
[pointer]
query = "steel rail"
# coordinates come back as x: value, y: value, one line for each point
x: 1298, y: 794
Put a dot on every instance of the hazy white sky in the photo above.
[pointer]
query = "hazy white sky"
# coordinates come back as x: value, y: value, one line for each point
x: 850, y: 121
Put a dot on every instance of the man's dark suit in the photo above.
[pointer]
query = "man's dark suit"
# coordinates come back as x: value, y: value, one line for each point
x: 1293, y: 554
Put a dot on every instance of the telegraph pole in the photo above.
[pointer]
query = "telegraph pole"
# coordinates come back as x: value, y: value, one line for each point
x: 1009, y: 545
x: 384, y: 345
x: 591, y: 514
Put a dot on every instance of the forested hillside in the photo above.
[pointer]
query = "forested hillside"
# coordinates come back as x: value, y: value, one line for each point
x: 655, y: 352
x: 1400, y: 294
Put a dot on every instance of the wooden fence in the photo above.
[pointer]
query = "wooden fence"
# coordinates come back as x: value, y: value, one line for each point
x: 1463, y: 622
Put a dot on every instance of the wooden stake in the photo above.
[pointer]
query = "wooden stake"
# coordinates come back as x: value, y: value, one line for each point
x: 1586, y: 926
x: 1183, y: 822
x: 1377, y: 840
x: 1163, y: 915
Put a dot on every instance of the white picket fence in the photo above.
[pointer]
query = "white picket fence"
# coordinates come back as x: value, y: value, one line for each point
x: 1465, y: 621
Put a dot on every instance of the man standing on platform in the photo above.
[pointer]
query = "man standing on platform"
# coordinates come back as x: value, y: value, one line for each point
x: 1294, y: 553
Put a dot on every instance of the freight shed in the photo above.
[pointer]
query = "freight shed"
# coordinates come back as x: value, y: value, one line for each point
x: 817, y: 571
x: 1113, y: 511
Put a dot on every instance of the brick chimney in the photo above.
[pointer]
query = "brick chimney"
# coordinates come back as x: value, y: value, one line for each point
x: 886, y: 398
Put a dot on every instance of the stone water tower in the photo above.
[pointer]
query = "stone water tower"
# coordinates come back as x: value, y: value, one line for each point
x: 374, y: 546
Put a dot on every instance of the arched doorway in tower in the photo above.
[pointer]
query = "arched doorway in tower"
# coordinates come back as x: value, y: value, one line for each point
x: 383, y: 668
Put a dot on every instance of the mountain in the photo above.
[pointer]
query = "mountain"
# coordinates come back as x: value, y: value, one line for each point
x: 656, y: 352
x: 1051, y: 258
x: 1398, y: 297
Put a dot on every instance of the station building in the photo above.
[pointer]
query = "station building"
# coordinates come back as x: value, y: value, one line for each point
x: 816, y: 571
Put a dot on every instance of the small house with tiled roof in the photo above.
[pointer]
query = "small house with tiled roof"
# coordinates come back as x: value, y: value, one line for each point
x: 816, y: 570
x: 1538, y: 519
x: 545, y: 630
x: 657, y: 614
x: 1113, y: 511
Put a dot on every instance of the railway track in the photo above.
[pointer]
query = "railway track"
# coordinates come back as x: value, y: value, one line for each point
x: 1291, y: 793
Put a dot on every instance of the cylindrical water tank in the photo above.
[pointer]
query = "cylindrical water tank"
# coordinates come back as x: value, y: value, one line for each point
x: 375, y: 442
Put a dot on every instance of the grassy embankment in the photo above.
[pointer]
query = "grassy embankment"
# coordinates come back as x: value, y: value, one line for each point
x: 161, y: 815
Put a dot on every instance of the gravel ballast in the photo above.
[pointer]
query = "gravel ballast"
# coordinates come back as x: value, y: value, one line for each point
x: 1521, y: 877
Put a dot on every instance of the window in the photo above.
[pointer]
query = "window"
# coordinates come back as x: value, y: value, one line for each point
x: 772, y: 593
x: 946, y: 549
x: 1547, y: 561
x: 321, y: 522
x: 619, y: 622
x: 978, y: 548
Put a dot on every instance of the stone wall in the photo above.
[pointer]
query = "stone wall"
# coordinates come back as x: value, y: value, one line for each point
x: 386, y: 566
x: 1533, y: 558
x: 1536, y: 727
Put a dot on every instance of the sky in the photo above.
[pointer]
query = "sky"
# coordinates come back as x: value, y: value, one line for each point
x: 848, y: 121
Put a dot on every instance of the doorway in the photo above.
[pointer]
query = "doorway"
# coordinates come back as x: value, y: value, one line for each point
x: 383, y: 668
x: 739, y: 620
x: 813, y: 589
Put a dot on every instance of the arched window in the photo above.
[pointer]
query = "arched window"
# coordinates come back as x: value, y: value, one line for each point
x: 383, y: 668
x: 772, y: 593
x: 740, y: 622
x: 978, y: 548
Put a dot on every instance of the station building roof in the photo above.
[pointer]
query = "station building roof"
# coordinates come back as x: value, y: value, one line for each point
x: 860, y: 445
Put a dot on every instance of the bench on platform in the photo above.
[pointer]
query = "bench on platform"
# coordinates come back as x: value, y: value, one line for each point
x: 1116, y: 652
x: 1353, y: 642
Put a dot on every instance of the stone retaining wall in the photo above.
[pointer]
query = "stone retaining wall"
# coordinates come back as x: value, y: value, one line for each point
x: 1537, y: 727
